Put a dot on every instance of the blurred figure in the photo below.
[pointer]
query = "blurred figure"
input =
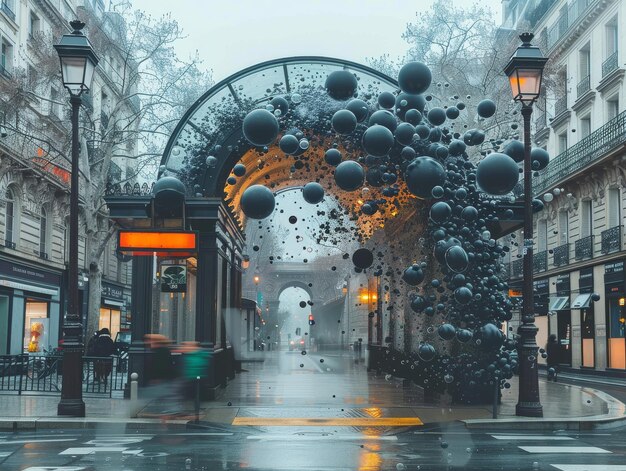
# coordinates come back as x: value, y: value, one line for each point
x: 103, y: 348
x: 553, y: 350
x: 161, y: 367
x: 91, y: 344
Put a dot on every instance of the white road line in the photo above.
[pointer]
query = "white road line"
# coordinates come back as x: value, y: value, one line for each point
x: 319, y: 438
x: 590, y: 467
x: 87, y: 450
x: 5, y: 454
x: 205, y: 434
x: 22, y: 442
x: 563, y: 449
x: 530, y: 437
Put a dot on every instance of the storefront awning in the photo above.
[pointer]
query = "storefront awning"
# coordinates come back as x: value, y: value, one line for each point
x: 112, y: 302
x: 559, y: 303
x: 29, y: 287
x: 582, y: 301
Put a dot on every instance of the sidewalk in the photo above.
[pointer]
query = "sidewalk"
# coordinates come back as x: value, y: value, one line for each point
x: 317, y: 388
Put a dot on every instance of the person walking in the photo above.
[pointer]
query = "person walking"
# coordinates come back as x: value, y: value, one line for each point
x: 103, y: 348
x: 553, y: 350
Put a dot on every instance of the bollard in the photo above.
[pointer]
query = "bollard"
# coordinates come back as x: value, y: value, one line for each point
x: 133, y: 394
x: 197, y: 399
x: 496, y: 390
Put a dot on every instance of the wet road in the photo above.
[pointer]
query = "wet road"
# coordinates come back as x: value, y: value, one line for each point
x: 237, y: 448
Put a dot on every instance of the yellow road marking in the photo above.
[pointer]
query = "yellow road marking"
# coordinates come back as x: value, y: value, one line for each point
x: 320, y: 422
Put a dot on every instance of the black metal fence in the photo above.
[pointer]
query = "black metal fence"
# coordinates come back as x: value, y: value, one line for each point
x: 43, y: 374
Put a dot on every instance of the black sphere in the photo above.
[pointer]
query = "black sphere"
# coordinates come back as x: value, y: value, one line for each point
x: 280, y: 103
x: 260, y: 127
x: 313, y: 193
x: 377, y: 140
x: 341, y: 85
x: 497, y: 174
x: 413, y: 116
x: 414, y: 77
x: 386, y: 100
x: 332, y: 157
x: 384, y: 118
x: 446, y: 331
x: 426, y: 352
x: 413, y: 275
x: 404, y: 133
x: 239, y: 170
x: 422, y: 175
x: 456, y: 259
x: 515, y: 150
x: 463, y: 295
x: 344, y: 122
x: 359, y: 108
x: 349, y: 175
x: 289, y: 144
x: 456, y: 147
x: 257, y: 202
x: 437, y: 116
x: 406, y: 102
x: 169, y: 194
x: 463, y: 335
x: 452, y: 112
x: 540, y: 156
x: 440, y: 211
x: 363, y: 258
x: 486, y: 108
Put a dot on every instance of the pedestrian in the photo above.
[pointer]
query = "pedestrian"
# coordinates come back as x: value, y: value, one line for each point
x: 104, y: 348
x: 91, y: 344
x: 553, y: 350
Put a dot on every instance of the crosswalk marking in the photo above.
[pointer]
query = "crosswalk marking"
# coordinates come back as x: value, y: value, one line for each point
x: 87, y: 450
x: 590, y: 467
x: 291, y: 438
x: 563, y: 449
x: 530, y: 437
x: 325, y: 421
x: 22, y: 442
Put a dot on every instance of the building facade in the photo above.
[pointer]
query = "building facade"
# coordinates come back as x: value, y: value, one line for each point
x: 34, y: 180
x: 579, y: 235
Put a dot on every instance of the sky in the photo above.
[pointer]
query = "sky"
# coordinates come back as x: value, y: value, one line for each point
x: 232, y: 35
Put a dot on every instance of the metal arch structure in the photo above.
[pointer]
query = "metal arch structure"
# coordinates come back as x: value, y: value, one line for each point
x: 243, y: 90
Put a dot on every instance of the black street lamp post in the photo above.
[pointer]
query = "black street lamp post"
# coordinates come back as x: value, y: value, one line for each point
x: 525, y: 69
x: 78, y: 62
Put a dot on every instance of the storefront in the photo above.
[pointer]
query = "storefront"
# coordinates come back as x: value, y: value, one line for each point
x: 541, y: 289
x: 30, y: 306
x: 615, y: 321
x: 561, y: 305
x: 112, y: 308
x: 587, y: 317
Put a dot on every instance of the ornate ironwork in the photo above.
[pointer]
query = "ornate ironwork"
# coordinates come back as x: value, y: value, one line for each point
x: 611, y: 240
x: 609, y: 65
x: 517, y: 267
x: 561, y: 255
x: 583, y: 86
x: 540, y: 261
x: 583, y: 248
x: 567, y: 19
x: 560, y: 106
x: 128, y: 189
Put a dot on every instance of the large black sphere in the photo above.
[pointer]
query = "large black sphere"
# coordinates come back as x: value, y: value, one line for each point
x: 280, y: 103
x: 440, y: 211
x: 486, y: 108
x: 344, y: 122
x: 414, y: 77
x: 464, y: 335
x: 332, y: 157
x: 497, y: 174
x: 363, y: 258
x: 418, y: 304
x: 412, y: 116
x: 490, y: 336
x: 289, y: 144
x: 456, y: 259
x: 426, y: 352
x: 260, y: 127
x: 446, y: 331
x: 386, y: 100
x: 463, y: 295
x: 384, y: 118
x: 437, y: 116
x: 169, y: 194
x: 406, y: 102
x: 257, y: 202
x: 359, y: 108
x: 377, y: 140
x: 456, y: 147
x: 349, y: 175
x: 452, y: 112
x: 422, y: 175
x: 515, y: 150
x: 404, y: 133
x: 540, y: 156
x: 313, y: 193
x: 474, y: 137
x: 239, y: 170
x: 341, y: 84
x: 413, y: 275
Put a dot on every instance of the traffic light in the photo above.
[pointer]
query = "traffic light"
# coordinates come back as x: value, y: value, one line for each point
x: 311, y: 320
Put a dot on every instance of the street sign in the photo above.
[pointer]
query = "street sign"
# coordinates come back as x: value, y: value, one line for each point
x: 515, y: 293
x: 173, y: 278
x: 147, y: 242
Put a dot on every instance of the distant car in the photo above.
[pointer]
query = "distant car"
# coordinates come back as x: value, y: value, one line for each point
x: 296, y: 344
x: 122, y: 342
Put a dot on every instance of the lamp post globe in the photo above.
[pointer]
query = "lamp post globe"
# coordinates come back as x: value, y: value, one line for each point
x: 525, y: 71
x: 78, y: 63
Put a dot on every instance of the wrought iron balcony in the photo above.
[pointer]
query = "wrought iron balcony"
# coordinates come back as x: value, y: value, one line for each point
x: 517, y: 267
x: 10, y: 244
x: 611, y: 240
x: 583, y: 86
x: 540, y: 261
x: 583, y: 248
x: 570, y: 16
x: 6, y: 9
x: 609, y: 65
x: 582, y: 154
x: 560, y: 106
x: 561, y: 255
x: 541, y: 122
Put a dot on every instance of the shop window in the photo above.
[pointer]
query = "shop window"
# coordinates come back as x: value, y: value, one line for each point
x: 36, y: 326
x: 587, y: 323
x: 109, y: 318
x: 4, y: 324
x: 616, y: 323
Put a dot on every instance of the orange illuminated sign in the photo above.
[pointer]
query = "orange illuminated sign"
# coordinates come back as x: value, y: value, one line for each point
x: 622, y: 302
x: 515, y: 293
x: 163, y: 243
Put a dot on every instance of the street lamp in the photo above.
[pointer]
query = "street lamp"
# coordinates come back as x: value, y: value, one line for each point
x: 525, y: 69
x: 78, y: 62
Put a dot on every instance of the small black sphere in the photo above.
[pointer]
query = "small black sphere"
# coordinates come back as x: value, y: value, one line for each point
x: 363, y: 258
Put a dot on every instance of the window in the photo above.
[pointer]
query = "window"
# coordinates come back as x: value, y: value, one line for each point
x: 584, y: 62
x: 616, y: 334
x: 54, y: 102
x: 109, y: 318
x: 585, y: 126
x: 614, y: 209
x: 43, y: 233
x: 10, y: 223
x: 36, y: 326
x: 611, y: 37
x: 34, y: 25
x: 586, y: 215
x: 6, y: 59
x: 542, y: 235
x: 563, y: 227
x: 562, y: 142
x: 612, y: 107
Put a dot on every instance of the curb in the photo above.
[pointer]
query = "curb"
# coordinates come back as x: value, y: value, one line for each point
x: 615, y: 417
x: 47, y: 423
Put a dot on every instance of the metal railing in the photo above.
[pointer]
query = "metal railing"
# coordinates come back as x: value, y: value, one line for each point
x: 541, y: 122
x: 43, y: 374
x: 583, y: 248
x: 611, y: 240
x: 6, y: 9
x: 560, y: 106
x: 583, y: 86
x: 575, y: 10
x: 540, y: 261
x: 609, y: 65
x: 517, y: 267
x: 561, y: 255
x: 583, y: 153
